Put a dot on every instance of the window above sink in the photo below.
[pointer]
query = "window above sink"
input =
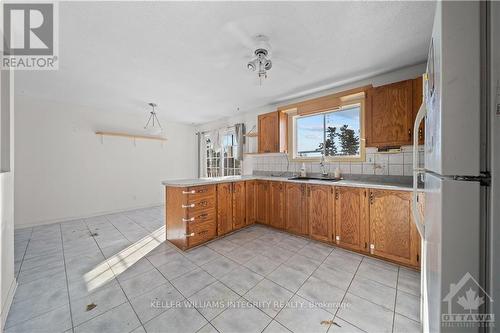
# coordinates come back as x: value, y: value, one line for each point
x: 337, y: 133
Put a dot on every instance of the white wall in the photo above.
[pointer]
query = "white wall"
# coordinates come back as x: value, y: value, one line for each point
x: 65, y: 171
x: 7, y: 280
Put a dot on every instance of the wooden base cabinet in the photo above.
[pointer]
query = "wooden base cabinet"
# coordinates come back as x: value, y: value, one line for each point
x: 277, y: 205
x: 262, y: 198
x: 393, y: 234
x: 239, y: 199
x: 190, y: 215
x: 351, y: 218
x: 251, y: 201
x: 378, y: 222
x: 320, y: 212
x: 224, y: 208
x: 296, y: 208
x: 231, y: 213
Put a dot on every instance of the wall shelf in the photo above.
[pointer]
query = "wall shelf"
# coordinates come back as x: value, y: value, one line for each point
x: 131, y: 135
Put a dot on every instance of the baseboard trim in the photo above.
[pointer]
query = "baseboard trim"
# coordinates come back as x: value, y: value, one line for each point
x: 8, y: 302
x: 72, y: 218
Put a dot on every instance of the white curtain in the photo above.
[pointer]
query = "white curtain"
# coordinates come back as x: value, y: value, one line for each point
x: 202, y: 155
x: 240, y: 140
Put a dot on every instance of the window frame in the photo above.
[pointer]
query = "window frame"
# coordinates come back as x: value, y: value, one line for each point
x: 346, y: 102
x: 216, y: 164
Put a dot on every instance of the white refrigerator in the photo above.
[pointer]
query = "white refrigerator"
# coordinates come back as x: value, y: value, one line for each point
x: 455, y: 173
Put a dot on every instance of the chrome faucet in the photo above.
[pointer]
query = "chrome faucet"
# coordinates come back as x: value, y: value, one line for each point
x: 322, y: 166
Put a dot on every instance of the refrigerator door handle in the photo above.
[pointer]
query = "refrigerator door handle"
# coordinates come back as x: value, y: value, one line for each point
x: 417, y: 171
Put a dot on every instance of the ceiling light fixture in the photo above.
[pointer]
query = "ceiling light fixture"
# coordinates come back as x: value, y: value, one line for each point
x: 153, y: 119
x: 260, y: 63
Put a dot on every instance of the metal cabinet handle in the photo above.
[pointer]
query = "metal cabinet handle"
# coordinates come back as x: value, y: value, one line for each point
x: 189, y: 235
x: 188, y: 206
x: 188, y: 220
x: 189, y: 192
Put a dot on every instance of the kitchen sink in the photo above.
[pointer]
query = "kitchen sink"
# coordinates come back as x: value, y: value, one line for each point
x: 330, y: 179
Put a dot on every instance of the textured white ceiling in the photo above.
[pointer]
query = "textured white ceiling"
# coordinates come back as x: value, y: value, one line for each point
x: 186, y: 57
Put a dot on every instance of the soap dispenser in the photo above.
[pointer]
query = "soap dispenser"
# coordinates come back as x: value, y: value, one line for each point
x: 303, y: 172
x: 337, y: 173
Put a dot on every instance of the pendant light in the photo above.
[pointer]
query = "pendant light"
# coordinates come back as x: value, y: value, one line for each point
x: 153, y: 125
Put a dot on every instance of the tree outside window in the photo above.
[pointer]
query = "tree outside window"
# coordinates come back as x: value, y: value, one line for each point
x: 333, y: 134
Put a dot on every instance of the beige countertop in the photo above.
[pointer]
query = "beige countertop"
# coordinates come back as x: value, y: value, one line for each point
x: 385, y: 184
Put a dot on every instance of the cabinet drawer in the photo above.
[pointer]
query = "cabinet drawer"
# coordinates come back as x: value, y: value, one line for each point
x: 201, y: 215
x: 195, y: 193
x: 201, y: 232
x: 199, y: 205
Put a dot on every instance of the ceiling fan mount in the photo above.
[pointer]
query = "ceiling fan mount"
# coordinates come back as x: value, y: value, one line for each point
x: 261, y: 61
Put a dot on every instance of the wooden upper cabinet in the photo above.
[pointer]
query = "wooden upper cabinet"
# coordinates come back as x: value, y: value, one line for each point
x: 239, y: 199
x: 272, y: 132
x: 296, y: 208
x: 224, y: 208
x: 277, y: 205
x: 251, y: 201
x: 320, y: 212
x: 393, y: 234
x: 351, y: 218
x: 418, y: 97
x: 389, y: 115
x: 262, y: 198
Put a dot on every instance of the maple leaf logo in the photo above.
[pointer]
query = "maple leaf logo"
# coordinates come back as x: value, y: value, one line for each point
x: 471, y: 301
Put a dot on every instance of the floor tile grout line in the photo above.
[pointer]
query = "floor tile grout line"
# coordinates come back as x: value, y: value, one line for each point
x: 67, y: 280
x: 218, y: 280
x: 59, y: 226
x: 295, y: 293
x: 24, y: 254
x: 265, y: 277
x: 117, y: 281
x: 346, y: 291
x: 237, y: 242
x: 154, y: 268
x: 186, y: 297
x: 395, y: 302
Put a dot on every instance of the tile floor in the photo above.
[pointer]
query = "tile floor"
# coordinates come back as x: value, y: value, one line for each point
x: 115, y: 273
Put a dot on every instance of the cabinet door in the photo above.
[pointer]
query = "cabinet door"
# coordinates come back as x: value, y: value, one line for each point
x: 262, y: 202
x: 269, y: 132
x: 239, y: 198
x: 224, y: 208
x: 418, y: 96
x: 320, y: 212
x: 276, y: 209
x: 296, y: 208
x: 351, y: 218
x: 389, y: 118
x: 393, y: 234
x: 251, y: 202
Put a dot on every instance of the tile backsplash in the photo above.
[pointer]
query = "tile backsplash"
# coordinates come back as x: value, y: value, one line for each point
x: 393, y: 164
